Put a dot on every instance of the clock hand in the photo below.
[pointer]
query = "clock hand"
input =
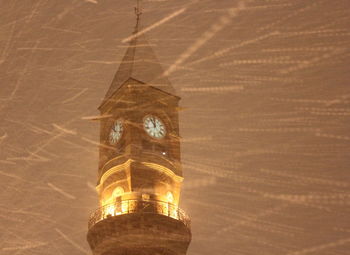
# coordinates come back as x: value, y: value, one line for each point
x: 153, y: 122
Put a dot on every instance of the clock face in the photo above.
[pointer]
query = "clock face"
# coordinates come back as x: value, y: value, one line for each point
x: 116, y: 132
x: 154, y: 127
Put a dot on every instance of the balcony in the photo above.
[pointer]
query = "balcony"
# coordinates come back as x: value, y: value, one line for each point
x: 138, y: 206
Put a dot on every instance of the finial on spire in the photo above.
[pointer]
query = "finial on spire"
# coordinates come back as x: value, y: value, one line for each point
x: 138, y: 11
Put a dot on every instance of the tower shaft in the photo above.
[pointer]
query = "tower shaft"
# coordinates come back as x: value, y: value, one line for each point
x: 140, y: 174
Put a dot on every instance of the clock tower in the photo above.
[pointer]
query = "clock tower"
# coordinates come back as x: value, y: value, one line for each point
x: 139, y: 173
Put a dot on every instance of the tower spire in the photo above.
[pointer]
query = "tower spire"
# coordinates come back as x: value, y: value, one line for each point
x: 139, y: 63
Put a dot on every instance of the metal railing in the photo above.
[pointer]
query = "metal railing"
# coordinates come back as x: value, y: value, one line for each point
x: 138, y: 206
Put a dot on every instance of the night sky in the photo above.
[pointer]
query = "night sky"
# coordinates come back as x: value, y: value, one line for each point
x: 264, y: 119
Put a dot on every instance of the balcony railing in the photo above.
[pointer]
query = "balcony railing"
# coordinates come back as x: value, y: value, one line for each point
x: 138, y: 206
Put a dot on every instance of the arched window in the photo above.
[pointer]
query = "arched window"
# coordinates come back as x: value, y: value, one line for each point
x: 169, y: 197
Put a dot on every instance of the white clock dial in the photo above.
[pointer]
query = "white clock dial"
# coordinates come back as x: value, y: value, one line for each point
x: 116, y: 132
x: 154, y: 127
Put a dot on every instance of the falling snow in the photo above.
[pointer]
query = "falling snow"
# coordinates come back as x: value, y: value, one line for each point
x: 264, y: 119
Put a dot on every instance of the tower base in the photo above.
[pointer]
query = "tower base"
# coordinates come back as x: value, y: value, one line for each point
x: 139, y: 234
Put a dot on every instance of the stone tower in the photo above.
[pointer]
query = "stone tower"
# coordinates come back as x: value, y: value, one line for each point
x: 139, y: 175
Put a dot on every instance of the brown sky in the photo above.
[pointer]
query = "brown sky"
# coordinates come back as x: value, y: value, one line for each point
x: 265, y: 122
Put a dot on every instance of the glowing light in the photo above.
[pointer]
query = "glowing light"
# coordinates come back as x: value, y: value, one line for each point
x: 119, y: 191
x: 170, y: 210
x: 173, y: 213
x: 145, y: 196
x: 109, y: 210
x: 169, y: 197
x: 125, y: 207
x: 132, y: 206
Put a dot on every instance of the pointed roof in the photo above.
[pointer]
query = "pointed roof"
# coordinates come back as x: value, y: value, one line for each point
x: 140, y: 63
